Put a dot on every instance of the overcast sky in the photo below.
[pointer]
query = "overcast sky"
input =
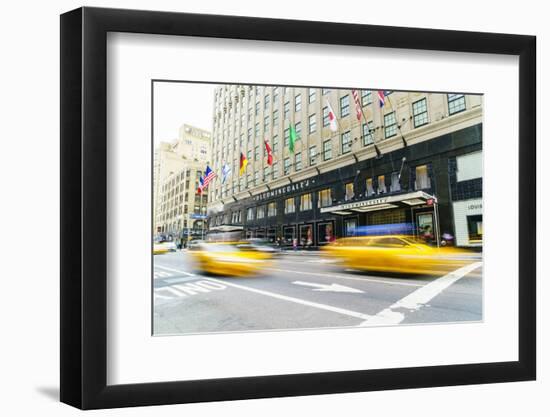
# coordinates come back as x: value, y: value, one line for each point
x: 179, y: 103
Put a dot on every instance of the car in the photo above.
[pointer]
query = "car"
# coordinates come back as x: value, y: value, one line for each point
x: 160, y: 247
x: 231, y: 259
x: 194, y: 244
x: 262, y: 245
x: 397, y: 253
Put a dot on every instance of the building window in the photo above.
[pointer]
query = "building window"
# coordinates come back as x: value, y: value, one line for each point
x: 260, y: 212
x: 369, y: 188
x: 275, y: 142
x: 275, y: 118
x: 257, y: 130
x: 275, y: 171
x: 250, y: 213
x: 390, y: 125
x: 266, y: 101
x: 344, y: 106
x: 287, y: 166
x: 266, y: 123
x: 327, y: 150
x: 469, y: 166
x: 266, y: 173
x: 475, y: 228
x: 395, y: 185
x: 256, y: 153
x: 290, y: 206
x: 298, y: 129
x: 257, y: 108
x: 312, y: 95
x: 346, y: 142
x: 249, y: 138
x: 275, y: 95
x: 286, y: 110
x: 298, y: 161
x: 306, y: 202
x: 248, y: 180
x: 382, y: 184
x: 349, y: 191
x: 366, y: 97
x: 256, y: 178
x: 249, y: 154
x: 422, y: 178
x: 312, y: 155
x: 326, y: 119
x: 272, y: 209
x: 298, y: 103
x: 457, y: 103
x: 325, y: 198
x: 312, y: 126
x: 420, y: 112
x: 368, y: 136
x: 325, y: 91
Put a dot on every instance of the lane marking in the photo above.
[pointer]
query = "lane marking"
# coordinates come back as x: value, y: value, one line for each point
x: 419, y: 298
x: 328, y: 287
x: 382, y: 281
x: 320, y: 306
x: 175, y: 270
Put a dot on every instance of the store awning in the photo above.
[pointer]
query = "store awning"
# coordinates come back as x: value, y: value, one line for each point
x: 381, y: 202
x: 226, y: 228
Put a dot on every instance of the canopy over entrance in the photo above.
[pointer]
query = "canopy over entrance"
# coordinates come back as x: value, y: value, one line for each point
x: 415, y: 198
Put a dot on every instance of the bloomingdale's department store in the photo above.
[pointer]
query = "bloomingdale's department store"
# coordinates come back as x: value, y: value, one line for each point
x: 434, y: 185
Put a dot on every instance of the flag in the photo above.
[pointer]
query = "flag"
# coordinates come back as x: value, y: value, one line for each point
x: 332, y: 118
x: 358, y: 110
x: 381, y: 98
x: 269, y: 153
x: 292, y: 138
x: 243, y: 164
x: 201, y: 185
x: 226, y: 171
x: 209, y: 175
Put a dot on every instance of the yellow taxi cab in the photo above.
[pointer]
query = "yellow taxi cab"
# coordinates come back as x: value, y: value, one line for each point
x: 163, y: 247
x: 230, y: 258
x: 397, y: 253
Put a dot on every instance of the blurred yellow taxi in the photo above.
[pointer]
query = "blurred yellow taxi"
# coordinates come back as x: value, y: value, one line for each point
x: 163, y: 247
x: 397, y: 253
x: 232, y: 259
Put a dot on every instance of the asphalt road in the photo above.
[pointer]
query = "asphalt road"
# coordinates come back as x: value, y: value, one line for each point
x: 301, y: 291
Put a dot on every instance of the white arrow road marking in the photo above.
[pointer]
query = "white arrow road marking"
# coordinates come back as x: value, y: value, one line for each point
x: 328, y: 287
x: 320, y: 306
x: 419, y: 298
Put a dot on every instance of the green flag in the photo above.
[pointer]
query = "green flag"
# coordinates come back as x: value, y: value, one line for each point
x: 292, y: 138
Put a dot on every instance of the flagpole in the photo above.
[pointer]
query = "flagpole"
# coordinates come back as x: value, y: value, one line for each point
x: 398, y: 127
x: 378, y: 153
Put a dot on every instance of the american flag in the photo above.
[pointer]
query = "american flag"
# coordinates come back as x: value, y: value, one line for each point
x: 209, y: 175
x: 357, y: 104
x: 381, y: 97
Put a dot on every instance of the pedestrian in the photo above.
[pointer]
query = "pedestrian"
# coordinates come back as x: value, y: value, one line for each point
x: 294, y: 243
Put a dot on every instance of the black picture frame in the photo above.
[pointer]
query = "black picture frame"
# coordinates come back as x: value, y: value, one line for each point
x: 84, y: 179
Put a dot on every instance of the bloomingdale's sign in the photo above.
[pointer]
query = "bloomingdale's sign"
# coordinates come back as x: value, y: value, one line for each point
x: 295, y: 186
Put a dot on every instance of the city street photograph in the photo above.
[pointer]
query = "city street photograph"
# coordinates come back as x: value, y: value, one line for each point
x: 279, y: 207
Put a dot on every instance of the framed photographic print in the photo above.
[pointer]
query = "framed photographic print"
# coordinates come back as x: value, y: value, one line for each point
x: 256, y: 208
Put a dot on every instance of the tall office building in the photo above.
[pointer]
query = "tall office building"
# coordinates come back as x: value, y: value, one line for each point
x: 177, y: 167
x: 396, y: 158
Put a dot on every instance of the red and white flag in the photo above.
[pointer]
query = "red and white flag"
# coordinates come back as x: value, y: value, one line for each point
x: 269, y: 153
x: 358, y: 111
x: 332, y: 118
